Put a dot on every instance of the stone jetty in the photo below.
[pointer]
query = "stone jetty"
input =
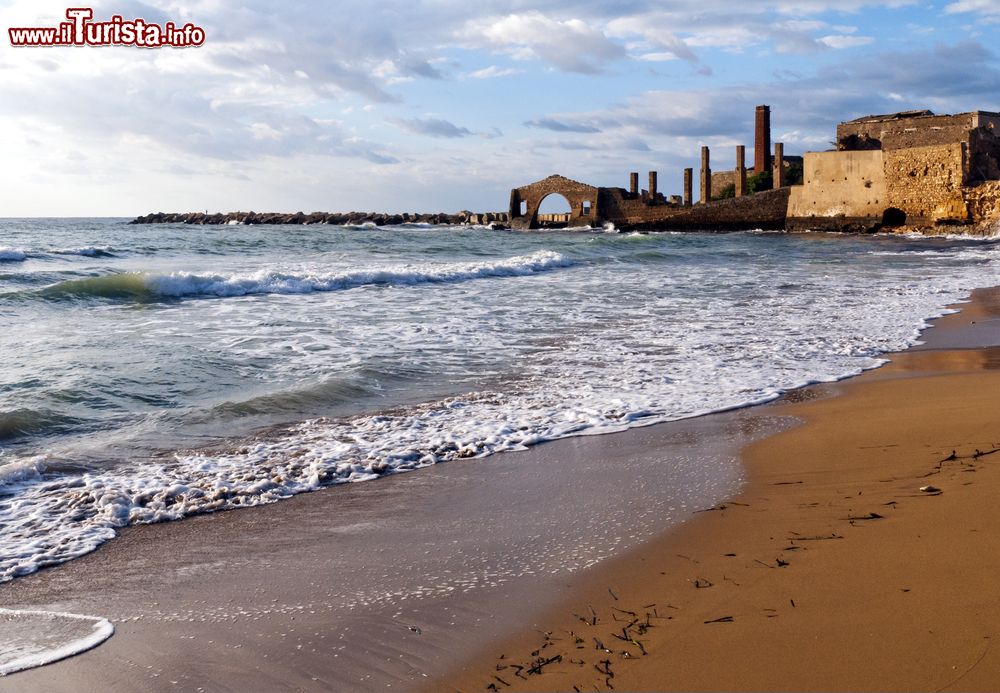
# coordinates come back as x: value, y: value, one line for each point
x: 497, y: 219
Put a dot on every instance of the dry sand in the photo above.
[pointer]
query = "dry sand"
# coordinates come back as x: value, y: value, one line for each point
x: 833, y: 570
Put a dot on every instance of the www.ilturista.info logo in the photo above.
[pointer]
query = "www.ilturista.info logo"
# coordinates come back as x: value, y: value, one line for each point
x: 81, y: 31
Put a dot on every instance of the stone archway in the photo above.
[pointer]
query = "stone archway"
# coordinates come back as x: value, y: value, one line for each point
x: 582, y: 200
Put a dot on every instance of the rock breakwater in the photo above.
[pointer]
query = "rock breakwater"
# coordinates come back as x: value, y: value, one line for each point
x: 338, y: 218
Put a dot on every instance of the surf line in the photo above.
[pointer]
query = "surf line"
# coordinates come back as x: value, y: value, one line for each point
x: 102, y: 630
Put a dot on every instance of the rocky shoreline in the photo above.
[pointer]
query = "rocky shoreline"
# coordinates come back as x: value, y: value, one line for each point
x: 498, y: 219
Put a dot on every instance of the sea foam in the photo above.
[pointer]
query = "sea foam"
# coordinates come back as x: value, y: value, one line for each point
x: 35, y: 638
x: 148, y: 286
x: 644, y: 329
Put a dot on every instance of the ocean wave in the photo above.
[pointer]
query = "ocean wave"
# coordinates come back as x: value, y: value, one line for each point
x: 87, y: 251
x: 8, y: 254
x: 26, y: 422
x: 22, y: 470
x: 36, y: 638
x: 141, y: 286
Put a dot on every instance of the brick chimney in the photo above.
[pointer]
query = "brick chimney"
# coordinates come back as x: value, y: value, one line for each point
x: 762, y: 140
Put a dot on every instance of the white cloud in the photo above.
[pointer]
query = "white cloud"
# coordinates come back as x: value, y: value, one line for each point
x: 841, y: 41
x: 278, y: 106
x: 987, y: 7
x: 431, y: 127
x: 494, y: 71
x: 571, y: 44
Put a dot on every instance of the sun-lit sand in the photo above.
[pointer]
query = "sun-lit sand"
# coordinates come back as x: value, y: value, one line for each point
x: 862, y: 555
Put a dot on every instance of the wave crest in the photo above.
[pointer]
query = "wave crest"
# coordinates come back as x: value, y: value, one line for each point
x: 139, y: 286
x: 12, y: 255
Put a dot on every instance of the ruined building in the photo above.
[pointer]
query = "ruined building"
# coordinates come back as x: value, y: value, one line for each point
x: 912, y: 168
x: 648, y: 208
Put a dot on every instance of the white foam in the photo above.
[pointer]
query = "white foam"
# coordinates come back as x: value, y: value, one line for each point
x: 618, y: 345
x: 36, y: 638
x: 87, y: 251
x: 12, y: 255
x: 272, y: 282
x: 21, y: 470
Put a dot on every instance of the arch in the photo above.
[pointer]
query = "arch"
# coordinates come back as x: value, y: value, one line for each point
x: 526, y: 203
x: 554, y: 203
x: 893, y: 216
x: 554, y: 211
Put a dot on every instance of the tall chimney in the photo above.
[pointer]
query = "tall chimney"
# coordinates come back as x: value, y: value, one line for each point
x: 652, y: 186
x: 706, y: 176
x: 741, y: 171
x: 633, y: 182
x: 762, y: 140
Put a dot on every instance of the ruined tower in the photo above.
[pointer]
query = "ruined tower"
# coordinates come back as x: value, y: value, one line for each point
x: 762, y: 140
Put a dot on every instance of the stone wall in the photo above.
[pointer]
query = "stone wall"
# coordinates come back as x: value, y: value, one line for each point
x: 926, y: 182
x: 983, y: 203
x: 622, y: 208
x: 765, y: 210
x: 919, y: 131
x: 840, y: 184
x: 582, y: 200
x: 721, y: 179
x: 984, y: 153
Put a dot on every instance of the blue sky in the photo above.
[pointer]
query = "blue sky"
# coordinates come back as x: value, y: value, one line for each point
x: 441, y: 105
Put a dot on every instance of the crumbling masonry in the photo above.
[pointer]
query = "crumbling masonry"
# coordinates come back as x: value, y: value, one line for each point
x: 912, y: 168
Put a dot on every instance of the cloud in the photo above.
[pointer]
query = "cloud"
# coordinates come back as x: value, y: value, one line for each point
x: 431, y: 127
x: 560, y: 126
x: 285, y: 93
x: 571, y: 45
x: 670, y: 125
x: 842, y: 41
x: 494, y: 71
x: 989, y: 9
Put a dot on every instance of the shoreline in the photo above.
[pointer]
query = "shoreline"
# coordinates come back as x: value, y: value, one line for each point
x: 834, y: 568
x: 230, y: 609
x: 312, y: 593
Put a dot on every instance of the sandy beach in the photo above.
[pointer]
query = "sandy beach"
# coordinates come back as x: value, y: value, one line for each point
x: 380, y: 585
x: 860, y: 555
x: 831, y: 569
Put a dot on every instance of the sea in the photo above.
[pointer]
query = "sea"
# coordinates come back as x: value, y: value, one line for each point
x: 154, y: 372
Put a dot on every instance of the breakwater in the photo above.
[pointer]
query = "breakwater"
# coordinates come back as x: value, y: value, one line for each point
x: 339, y: 218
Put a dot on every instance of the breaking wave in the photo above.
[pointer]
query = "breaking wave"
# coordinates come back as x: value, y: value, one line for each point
x: 12, y: 255
x: 144, y: 286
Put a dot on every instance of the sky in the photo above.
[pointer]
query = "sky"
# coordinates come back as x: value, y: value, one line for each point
x: 445, y: 105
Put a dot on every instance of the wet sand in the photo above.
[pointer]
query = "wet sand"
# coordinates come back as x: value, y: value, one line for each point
x: 426, y: 579
x: 862, y: 554
x: 380, y: 585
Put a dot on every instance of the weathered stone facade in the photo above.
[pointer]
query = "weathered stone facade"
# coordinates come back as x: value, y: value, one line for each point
x: 926, y: 183
x: 911, y: 168
x: 979, y: 130
x: 722, y: 180
x: 526, y: 201
x: 765, y: 210
x: 849, y: 185
x: 983, y: 203
x: 628, y: 210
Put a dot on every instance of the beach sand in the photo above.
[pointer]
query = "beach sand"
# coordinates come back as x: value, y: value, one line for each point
x: 380, y: 585
x: 830, y: 570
